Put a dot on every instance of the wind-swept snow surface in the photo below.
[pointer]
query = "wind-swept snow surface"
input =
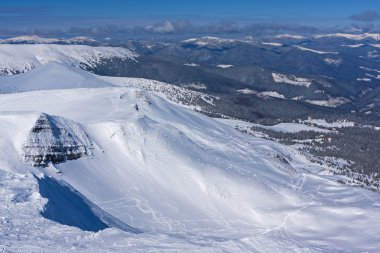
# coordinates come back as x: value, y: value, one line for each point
x: 314, y: 51
x: 188, y: 182
x: 21, y: 58
x: 124, y: 160
x: 67, y: 206
x: 51, y: 76
x: 40, y: 40
x: 373, y: 36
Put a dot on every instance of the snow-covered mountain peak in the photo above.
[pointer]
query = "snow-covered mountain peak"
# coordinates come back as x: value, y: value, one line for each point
x: 373, y: 36
x: 53, y: 75
x: 29, y: 40
x: 350, y: 36
x: 208, y: 40
x: 21, y: 58
x: 79, y: 40
x: 33, y: 39
x: 289, y: 36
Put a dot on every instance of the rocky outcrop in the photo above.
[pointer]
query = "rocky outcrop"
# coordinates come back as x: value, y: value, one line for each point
x: 55, y: 139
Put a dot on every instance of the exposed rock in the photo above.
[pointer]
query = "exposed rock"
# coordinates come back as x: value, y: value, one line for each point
x: 55, y: 139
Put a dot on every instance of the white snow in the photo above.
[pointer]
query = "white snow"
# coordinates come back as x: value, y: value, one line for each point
x: 289, y: 36
x: 79, y: 39
x: 197, y: 86
x: 264, y: 94
x: 191, y: 64
x: 53, y: 75
x: 281, y: 127
x: 374, y: 36
x: 208, y: 40
x: 274, y: 94
x: 174, y: 174
x: 29, y: 39
x: 297, y: 98
x: 364, y: 79
x: 372, y: 54
x: 248, y: 91
x: 291, y: 79
x: 274, y: 44
x: 368, y: 77
x: 369, y: 69
x: 314, y: 51
x: 189, y: 182
x: 40, y: 40
x: 179, y: 95
x: 224, y: 66
x: 356, y: 37
x: 376, y: 76
x: 17, y: 125
x: 22, y: 58
x: 332, y: 61
x: 353, y: 46
x: 331, y: 102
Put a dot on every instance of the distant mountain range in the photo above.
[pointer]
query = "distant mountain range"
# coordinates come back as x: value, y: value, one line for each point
x: 331, y: 74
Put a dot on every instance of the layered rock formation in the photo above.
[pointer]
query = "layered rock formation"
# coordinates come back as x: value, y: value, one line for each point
x: 55, y: 139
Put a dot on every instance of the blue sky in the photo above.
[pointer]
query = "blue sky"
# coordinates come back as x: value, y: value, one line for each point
x: 301, y: 11
x: 99, y: 18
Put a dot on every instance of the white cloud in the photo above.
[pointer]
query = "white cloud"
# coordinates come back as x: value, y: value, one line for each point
x: 164, y: 27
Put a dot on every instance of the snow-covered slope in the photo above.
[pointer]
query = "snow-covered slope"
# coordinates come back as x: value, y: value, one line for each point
x: 55, y: 75
x: 350, y: 36
x: 313, y: 51
x: 41, y: 40
x: 51, y: 76
x: 188, y: 182
x: 179, y: 95
x: 21, y: 58
x: 374, y: 36
x: 208, y: 40
x: 124, y: 159
x: 289, y: 36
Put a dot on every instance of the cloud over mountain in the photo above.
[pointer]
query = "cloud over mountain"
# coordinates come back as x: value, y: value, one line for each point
x: 366, y: 16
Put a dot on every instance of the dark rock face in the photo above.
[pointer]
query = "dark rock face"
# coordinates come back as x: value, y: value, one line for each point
x: 55, y: 139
